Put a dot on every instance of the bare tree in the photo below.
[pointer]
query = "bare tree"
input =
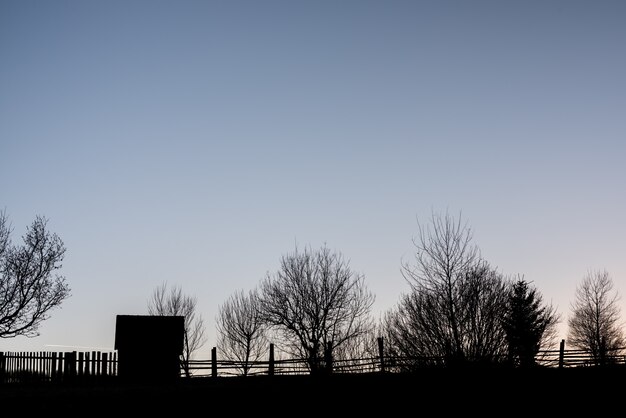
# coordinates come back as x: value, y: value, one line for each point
x: 29, y: 285
x: 317, y: 304
x: 359, y: 353
x: 594, y: 321
x: 529, y: 323
x: 483, y: 300
x: 444, y: 254
x: 418, y: 328
x: 405, y: 347
x: 175, y: 303
x: 452, y: 312
x: 241, y: 331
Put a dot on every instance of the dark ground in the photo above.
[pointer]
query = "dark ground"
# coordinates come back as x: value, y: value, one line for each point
x: 542, y: 392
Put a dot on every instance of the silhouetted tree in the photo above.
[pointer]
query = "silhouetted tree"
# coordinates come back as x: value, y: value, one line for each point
x: 401, y: 329
x: 594, y: 321
x: 529, y: 324
x: 349, y: 356
x: 241, y: 332
x: 483, y: 303
x: 456, y: 300
x: 316, y: 304
x: 29, y: 285
x: 419, y: 329
x: 175, y: 303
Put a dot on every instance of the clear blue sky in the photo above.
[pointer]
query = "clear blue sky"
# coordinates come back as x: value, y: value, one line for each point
x: 196, y: 142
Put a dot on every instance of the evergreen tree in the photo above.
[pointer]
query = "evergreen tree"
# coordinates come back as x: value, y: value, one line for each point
x: 528, y: 324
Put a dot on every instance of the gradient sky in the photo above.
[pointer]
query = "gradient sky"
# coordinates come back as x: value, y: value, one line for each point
x: 196, y: 142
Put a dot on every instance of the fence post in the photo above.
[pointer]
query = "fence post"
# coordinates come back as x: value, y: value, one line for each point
x: 61, y: 365
x: 214, y: 362
x: 87, y: 364
x: 42, y: 365
x: 105, y: 364
x: 81, y: 364
x: 2, y: 367
x: 381, y: 354
x: 53, y: 366
x: 94, y: 368
x: 270, y: 370
x: 66, y: 365
x: 561, y: 354
x: 69, y: 370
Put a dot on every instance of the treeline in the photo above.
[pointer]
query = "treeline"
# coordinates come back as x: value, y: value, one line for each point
x: 459, y: 311
x: 315, y: 308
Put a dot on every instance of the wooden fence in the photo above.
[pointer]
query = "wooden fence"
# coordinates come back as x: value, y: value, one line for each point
x: 56, y: 366
x: 214, y: 367
x: 64, y: 366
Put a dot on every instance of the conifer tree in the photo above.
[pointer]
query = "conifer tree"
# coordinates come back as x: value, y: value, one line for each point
x: 528, y: 323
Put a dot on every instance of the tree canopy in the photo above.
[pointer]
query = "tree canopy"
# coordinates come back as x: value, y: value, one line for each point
x: 316, y: 303
x: 30, y: 286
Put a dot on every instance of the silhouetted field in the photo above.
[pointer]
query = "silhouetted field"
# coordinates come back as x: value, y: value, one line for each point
x: 485, y: 391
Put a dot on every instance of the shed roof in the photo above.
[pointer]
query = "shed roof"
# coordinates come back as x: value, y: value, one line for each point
x: 139, y: 332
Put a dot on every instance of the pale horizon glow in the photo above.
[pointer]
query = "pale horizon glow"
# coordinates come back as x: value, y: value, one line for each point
x: 196, y: 142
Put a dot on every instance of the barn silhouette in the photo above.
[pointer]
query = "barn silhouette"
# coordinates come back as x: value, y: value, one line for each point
x: 149, y: 346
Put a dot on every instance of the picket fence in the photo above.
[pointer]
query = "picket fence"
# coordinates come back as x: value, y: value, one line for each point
x: 56, y: 366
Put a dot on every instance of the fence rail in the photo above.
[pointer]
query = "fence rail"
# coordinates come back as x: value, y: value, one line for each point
x: 560, y: 358
x: 64, y: 366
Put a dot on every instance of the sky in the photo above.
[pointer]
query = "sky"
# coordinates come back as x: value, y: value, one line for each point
x: 195, y: 143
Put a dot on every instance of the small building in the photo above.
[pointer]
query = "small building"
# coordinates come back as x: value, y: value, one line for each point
x: 149, y: 346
